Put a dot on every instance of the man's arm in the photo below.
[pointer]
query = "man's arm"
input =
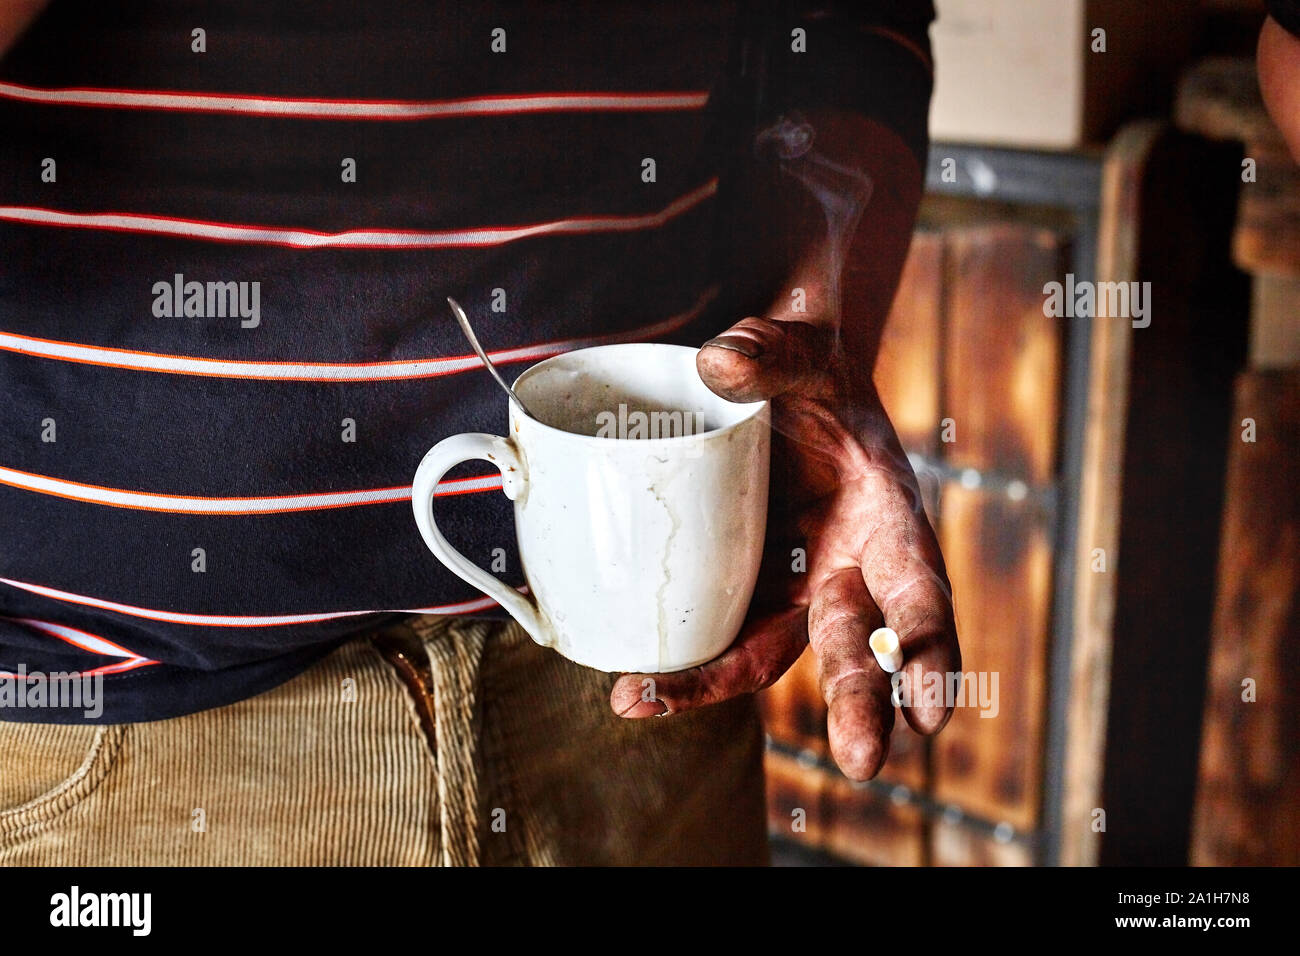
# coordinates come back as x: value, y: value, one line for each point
x: 15, y: 17
x: 863, y: 84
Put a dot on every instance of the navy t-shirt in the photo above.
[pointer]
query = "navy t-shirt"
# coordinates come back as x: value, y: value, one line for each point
x: 227, y: 235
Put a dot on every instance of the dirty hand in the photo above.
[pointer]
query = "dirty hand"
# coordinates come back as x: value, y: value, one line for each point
x: 843, y: 490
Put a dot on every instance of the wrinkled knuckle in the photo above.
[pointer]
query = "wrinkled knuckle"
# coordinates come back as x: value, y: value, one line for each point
x: 920, y: 588
x: 832, y: 616
x: 842, y: 680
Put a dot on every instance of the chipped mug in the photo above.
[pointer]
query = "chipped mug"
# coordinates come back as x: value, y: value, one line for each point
x: 640, y: 503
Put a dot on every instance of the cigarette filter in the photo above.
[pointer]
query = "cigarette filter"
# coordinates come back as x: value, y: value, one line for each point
x: 889, y: 652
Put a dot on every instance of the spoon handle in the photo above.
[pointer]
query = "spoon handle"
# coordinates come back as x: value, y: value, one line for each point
x: 463, y: 320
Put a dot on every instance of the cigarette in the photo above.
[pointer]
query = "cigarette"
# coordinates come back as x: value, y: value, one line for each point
x: 889, y: 653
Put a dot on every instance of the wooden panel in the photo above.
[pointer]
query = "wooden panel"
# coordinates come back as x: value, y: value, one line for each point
x: 1000, y: 564
x: 1247, y: 812
x: 855, y: 823
x: 793, y: 786
x: 907, y: 370
x: 1001, y: 387
x: 1002, y: 354
x: 1103, y: 451
x: 793, y: 710
x: 1181, y: 374
x: 955, y: 845
x: 866, y: 826
x: 908, y: 754
x: 1159, y: 401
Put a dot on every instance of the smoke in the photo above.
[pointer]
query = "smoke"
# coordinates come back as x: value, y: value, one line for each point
x: 842, y: 192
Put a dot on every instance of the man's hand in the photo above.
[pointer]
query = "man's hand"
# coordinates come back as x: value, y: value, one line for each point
x: 842, y: 488
x: 844, y: 491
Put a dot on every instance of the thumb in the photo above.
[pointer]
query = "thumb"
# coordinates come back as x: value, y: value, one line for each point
x: 761, y: 358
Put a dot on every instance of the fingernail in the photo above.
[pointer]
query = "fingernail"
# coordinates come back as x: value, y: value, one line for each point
x: 746, y: 347
x: 646, y: 708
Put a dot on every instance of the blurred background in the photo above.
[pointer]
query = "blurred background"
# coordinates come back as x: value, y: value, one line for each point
x: 1116, y: 496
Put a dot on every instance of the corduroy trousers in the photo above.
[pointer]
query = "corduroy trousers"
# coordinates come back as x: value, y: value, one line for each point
x: 434, y: 741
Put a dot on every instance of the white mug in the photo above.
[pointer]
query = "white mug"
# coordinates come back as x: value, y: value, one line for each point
x: 640, y: 548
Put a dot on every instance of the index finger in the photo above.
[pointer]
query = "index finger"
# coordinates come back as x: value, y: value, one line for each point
x: 905, y: 574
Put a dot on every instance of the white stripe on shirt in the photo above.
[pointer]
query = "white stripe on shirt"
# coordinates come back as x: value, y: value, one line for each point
x: 331, y: 371
x: 312, y: 108
x: 230, y: 620
x: 355, y: 238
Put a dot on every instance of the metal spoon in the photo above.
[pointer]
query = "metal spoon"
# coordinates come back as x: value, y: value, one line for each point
x: 473, y: 340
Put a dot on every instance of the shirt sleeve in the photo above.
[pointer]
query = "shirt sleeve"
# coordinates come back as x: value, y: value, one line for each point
x: 1286, y: 13
x: 870, y: 56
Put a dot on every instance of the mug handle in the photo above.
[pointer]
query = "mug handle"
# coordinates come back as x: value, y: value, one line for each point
x: 440, y: 459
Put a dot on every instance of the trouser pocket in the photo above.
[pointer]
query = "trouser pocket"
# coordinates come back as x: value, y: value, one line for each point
x: 46, y: 770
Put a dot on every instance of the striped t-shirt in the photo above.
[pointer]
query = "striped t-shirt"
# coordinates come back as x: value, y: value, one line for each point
x: 227, y: 235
